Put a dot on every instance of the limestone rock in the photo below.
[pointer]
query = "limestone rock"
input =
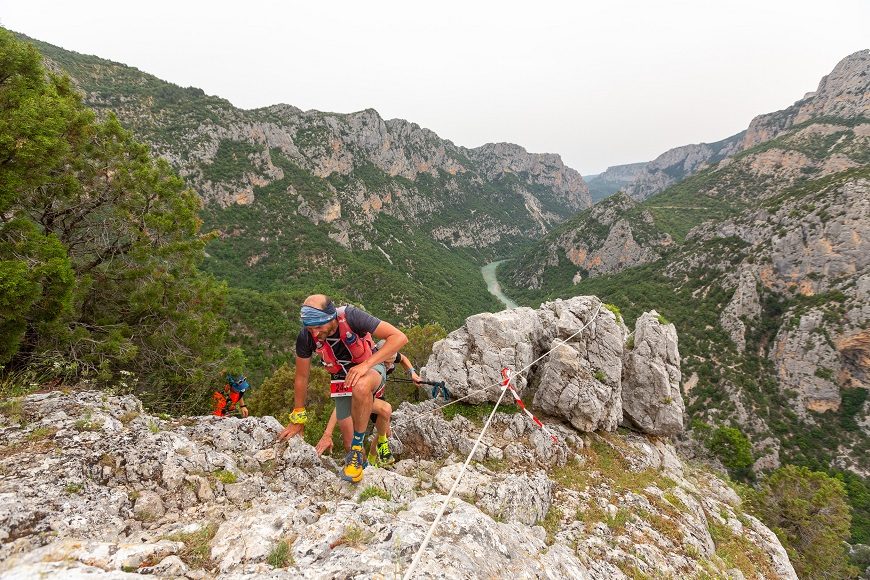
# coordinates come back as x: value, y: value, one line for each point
x: 148, y: 506
x: 569, y: 388
x: 71, y: 512
x: 470, y: 359
x: 651, y: 397
x: 807, y: 364
x: 511, y: 498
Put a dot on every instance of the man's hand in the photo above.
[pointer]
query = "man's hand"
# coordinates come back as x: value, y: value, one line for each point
x: 245, y: 412
x: 355, y: 374
x: 292, y: 430
x: 324, y: 444
x: 416, y: 378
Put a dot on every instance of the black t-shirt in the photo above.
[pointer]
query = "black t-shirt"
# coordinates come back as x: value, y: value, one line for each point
x: 359, y: 321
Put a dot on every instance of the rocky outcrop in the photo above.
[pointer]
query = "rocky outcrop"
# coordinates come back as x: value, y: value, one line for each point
x: 607, y: 238
x: 651, y: 397
x: 807, y: 364
x: 744, y: 305
x: 323, y: 162
x: 619, y: 251
x: 540, y: 169
x: 817, y: 350
x: 74, y: 467
x: 581, y: 380
x: 472, y: 357
x: 572, y: 388
x: 844, y: 93
x: 614, y: 179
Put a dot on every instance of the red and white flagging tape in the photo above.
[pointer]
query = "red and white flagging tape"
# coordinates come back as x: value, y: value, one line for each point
x: 507, y: 381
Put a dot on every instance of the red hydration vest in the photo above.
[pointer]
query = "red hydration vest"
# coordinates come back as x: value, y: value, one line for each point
x: 360, y: 347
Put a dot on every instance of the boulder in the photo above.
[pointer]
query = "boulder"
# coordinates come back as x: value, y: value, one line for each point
x: 651, y: 398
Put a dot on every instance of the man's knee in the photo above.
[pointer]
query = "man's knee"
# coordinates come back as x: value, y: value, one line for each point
x: 362, y: 389
x: 382, y: 409
x: 367, y: 385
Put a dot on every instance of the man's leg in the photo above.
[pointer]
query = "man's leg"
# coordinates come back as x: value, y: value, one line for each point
x: 381, y: 412
x: 385, y: 411
x: 361, y: 408
x: 346, y: 428
x: 361, y: 403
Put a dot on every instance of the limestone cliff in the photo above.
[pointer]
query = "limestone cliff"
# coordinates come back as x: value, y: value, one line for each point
x: 842, y: 94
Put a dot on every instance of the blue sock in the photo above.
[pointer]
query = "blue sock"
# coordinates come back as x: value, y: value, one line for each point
x: 357, y: 438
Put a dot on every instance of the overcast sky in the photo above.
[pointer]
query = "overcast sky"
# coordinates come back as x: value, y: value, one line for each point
x: 601, y: 83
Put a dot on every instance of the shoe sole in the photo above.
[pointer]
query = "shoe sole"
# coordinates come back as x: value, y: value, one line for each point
x: 350, y: 479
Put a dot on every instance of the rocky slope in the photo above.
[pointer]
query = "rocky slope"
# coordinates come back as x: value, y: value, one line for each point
x: 761, y: 260
x: 92, y: 486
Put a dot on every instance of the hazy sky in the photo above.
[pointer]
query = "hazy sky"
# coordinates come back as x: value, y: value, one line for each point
x: 601, y: 83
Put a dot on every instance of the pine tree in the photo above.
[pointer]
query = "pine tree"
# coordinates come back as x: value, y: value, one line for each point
x: 100, y: 246
x: 809, y: 513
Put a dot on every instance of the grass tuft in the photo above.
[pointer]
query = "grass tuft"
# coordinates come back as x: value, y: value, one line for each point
x: 374, y: 491
x: 196, y: 552
x: 225, y: 476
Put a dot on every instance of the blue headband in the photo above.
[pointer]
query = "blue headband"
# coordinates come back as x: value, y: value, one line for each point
x: 312, y: 316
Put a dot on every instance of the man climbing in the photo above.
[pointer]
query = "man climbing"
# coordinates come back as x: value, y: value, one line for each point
x: 343, y: 339
x: 379, y: 450
x: 234, y: 391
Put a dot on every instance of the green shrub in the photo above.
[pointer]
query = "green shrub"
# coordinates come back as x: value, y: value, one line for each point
x: 733, y: 449
x: 551, y: 523
x: 88, y: 424
x: 196, y: 552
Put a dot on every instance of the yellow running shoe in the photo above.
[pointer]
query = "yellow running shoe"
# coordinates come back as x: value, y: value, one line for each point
x: 385, y: 457
x: 354, y: 463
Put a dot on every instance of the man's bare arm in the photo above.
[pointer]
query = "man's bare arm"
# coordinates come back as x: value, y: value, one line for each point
x: 395, y: 340
x: 300, y: 393
x: 300, y: 381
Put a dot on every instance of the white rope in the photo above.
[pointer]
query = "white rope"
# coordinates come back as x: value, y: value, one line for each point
x: 455, y: 485
x: 505, y: 385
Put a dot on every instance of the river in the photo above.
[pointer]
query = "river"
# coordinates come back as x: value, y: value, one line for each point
x: 488, y: 273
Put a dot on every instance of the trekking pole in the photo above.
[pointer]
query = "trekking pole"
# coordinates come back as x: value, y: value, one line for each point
x: 432, y: 383
x: 437, y: 386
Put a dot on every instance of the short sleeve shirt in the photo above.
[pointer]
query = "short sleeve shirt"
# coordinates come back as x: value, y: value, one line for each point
x: 360, y: 322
